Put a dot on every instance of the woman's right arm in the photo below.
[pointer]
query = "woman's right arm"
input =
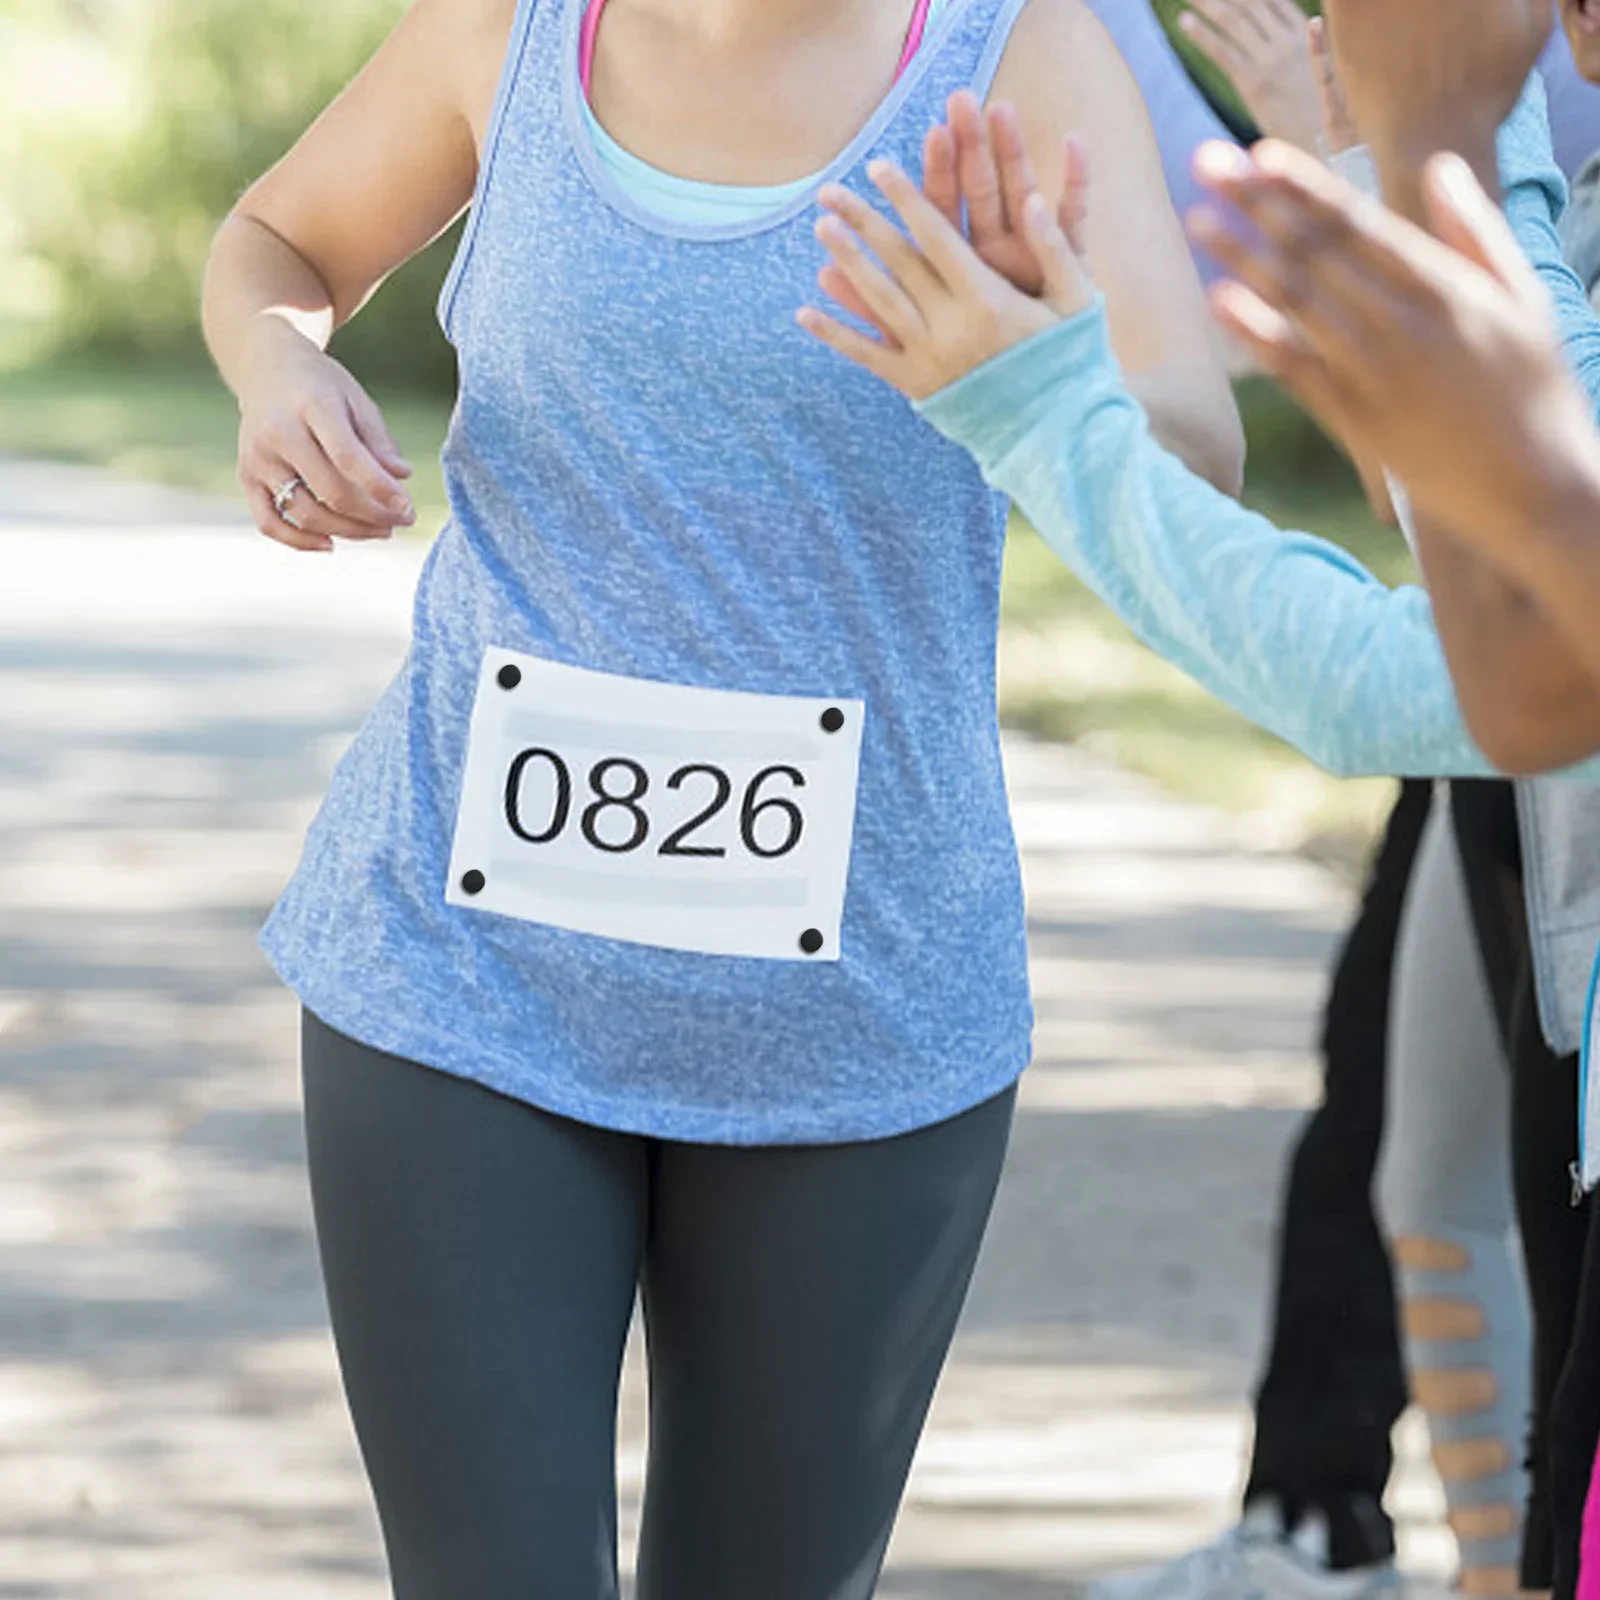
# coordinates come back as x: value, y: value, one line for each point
x: 379, y: 175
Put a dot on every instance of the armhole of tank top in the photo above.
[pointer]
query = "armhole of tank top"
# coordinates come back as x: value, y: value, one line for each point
x: 510, y: 71
x: 1000, y: 32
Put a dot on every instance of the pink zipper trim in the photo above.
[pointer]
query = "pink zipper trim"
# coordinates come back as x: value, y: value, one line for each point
x: 591, y: 30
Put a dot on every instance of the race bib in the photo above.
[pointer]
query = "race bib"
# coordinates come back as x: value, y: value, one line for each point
x: 695, y: 819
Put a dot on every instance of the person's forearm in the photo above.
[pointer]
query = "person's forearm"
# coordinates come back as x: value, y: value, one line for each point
x: 1197, y: 420
x: 1288, y: 629
x: 259, y: 291
x: 1532, y: 703
x: 1400, y: 164
x: 1526, y: 694
x: 1560, y: 561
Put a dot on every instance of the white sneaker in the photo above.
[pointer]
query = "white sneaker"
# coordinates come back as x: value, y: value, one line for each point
x: 1252, y: 1561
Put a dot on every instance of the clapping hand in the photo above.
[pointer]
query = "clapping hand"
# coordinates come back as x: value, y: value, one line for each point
x: 1263, y: 49
x: 1437, y: 355
x: 940, y: 304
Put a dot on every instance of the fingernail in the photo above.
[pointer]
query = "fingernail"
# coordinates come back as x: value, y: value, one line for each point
x: 1455, y: 178
x: 1220, y: 161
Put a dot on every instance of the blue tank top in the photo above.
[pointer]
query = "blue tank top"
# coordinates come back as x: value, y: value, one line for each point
x: 654, y: 472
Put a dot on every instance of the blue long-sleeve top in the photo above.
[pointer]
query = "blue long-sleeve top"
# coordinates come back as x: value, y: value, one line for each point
x: 1287, y: 628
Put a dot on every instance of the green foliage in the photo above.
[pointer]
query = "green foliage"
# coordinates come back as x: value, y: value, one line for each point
x: 121, y: 209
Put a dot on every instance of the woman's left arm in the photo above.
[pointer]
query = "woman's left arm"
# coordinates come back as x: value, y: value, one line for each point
x: 1063, y: 74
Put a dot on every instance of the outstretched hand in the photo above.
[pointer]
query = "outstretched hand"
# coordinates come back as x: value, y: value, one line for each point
x: 978, y: 173
x: 940, y: 308
x: 979, y: 160
x: 1438, y: 355
x: 1263, y: 49
x: 1433, y: 75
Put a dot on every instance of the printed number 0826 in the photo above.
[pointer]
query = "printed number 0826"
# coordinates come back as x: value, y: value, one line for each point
x: 618, y: 783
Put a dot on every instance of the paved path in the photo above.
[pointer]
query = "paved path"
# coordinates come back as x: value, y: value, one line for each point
x: 173, y: 693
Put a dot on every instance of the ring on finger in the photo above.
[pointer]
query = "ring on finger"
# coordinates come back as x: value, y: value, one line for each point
x: 284, y: 495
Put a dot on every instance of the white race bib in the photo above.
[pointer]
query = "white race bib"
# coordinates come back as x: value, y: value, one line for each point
x: 695, y: 819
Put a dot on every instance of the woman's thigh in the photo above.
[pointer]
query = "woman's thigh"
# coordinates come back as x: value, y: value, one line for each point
x: 481, y: 1259
x: 799, y: 1305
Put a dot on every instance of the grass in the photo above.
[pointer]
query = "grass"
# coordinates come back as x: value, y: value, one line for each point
x: 1069, y: 670
x: 176, y: 426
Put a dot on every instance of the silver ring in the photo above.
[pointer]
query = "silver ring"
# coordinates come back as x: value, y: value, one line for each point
x: 285, y: 493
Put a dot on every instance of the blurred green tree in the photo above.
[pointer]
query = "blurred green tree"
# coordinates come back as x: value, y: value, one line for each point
x: 121, y: 209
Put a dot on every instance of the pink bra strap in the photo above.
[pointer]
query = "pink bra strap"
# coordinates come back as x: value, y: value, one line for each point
x: 591, y: 28
x: 586, y: 38
x: 919, y: 21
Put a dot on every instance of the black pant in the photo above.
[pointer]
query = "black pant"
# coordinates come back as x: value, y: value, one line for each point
x: 1560, y: 1258
x: 482, y: 1260
x: 1335, y: 1382
x: 1544, y: 1141
x: 1573, y: 1427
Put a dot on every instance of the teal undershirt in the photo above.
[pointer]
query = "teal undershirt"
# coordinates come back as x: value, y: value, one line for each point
x: 687, y: 201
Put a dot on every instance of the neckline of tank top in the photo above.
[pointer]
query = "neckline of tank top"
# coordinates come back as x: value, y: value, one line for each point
x: 590, y: 31
x: 694, y: 200
x: 575, y: 111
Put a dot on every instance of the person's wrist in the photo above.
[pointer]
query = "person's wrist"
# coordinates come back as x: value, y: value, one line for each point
x: 1402, y: 154
x: 273, y: 340
x: 1287, y: 124
x: 1564, y: 518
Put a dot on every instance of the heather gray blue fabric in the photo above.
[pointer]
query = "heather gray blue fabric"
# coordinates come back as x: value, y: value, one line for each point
x: 1285, y: 627
x: 1560, y: 825
x: 654, y: 471
x: 482, y: 1259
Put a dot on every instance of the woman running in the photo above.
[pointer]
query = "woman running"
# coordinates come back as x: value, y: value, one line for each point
x: 662, y: 930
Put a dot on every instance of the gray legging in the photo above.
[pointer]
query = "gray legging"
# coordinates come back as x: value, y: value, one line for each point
x: 1447, y: 1202
x: 482, y: 1259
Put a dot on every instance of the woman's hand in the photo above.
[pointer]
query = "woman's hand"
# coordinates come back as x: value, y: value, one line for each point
x: 1439, y: 356
x: 941, y: 311
x: 979, y: 161
x: 1433, y: 75
x: 305, y: 421
x: 977, y: 171
x: 1263, y: 48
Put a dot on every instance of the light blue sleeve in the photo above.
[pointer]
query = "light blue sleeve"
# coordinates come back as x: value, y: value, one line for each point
x: 1286, y: 628
x: 1535, y: 198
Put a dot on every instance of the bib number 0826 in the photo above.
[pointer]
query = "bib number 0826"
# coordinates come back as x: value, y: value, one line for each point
x: 612, y: 817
